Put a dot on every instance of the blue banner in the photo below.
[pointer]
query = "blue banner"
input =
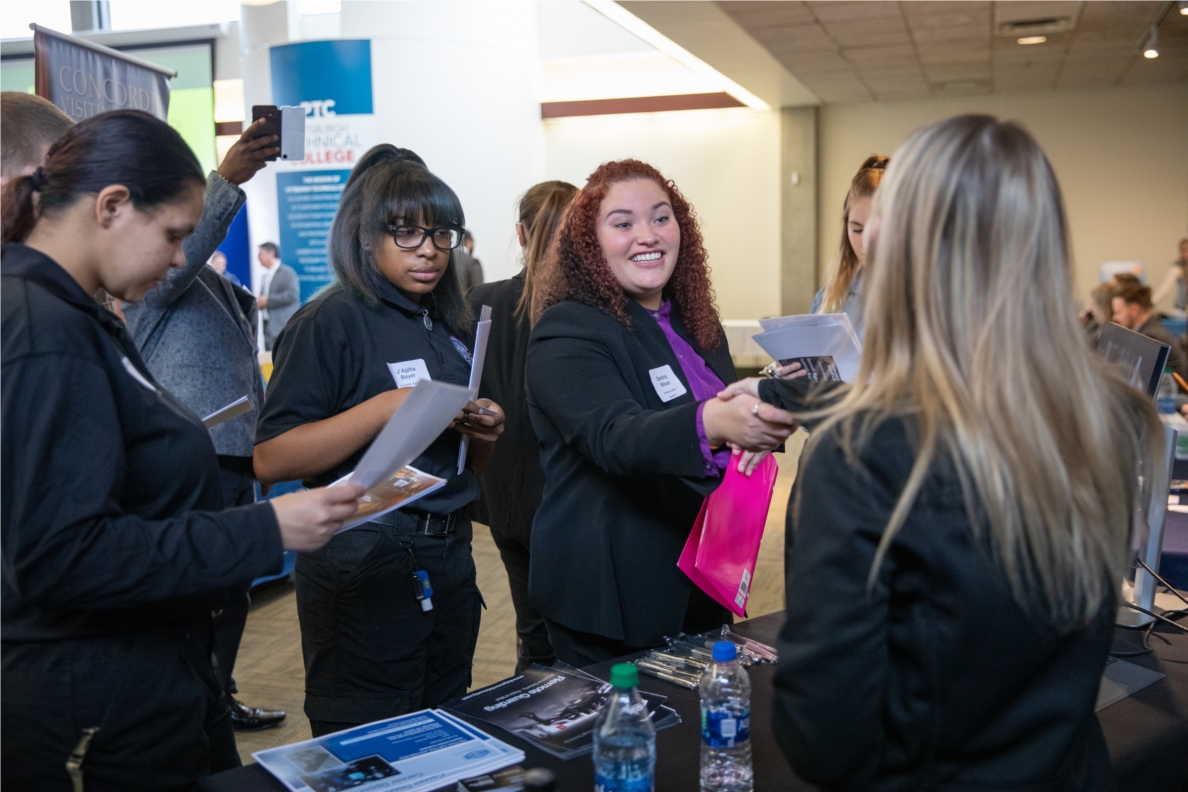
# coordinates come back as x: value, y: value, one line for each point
x: 306, y: 204
x: 332, y: 81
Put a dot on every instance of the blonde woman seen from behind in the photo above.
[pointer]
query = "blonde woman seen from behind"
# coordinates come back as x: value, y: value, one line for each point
x: 843, y: 291
x: 964, y: 506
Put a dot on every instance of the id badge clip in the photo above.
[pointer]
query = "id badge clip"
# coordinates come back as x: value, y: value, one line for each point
x: 422, y: 589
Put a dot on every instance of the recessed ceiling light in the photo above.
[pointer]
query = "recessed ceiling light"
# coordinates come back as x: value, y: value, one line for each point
x: 1033, y: 39
x: 1151, y: 47
x: 1184, y: 7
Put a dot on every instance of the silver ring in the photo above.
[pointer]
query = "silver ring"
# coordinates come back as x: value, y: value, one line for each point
x: 755, y: 410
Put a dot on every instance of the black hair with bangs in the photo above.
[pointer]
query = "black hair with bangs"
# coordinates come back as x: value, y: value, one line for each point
x: 391, y: 185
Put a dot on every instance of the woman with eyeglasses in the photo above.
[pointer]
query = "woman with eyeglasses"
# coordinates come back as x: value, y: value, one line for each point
x: 343, y: 364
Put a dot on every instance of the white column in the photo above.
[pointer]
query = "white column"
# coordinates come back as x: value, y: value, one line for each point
x: 260, y: 26
x: 458, y: 83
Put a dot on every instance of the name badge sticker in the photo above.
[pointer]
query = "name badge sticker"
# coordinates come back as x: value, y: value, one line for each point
x: 409, y: 373
x: 668, y: 387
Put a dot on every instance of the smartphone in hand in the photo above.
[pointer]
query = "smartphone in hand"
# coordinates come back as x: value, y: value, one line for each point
x: 272, y: 122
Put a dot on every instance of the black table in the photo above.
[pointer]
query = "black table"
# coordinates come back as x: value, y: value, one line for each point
x: 1147, y: 733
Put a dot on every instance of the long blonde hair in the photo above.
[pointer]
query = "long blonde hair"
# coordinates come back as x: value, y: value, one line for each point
x: 540, y: 214
x: 845, y: 267
x: 979, y: 349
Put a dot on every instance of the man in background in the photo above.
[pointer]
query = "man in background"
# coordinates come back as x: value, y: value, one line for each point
x: 1134, y: 310
x: 470, y: 269
x: 29, y: 125
x: 218, y: 263
x: 280, y: 293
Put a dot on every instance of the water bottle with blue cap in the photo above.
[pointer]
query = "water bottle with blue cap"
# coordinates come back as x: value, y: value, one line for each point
x: 726, y: 723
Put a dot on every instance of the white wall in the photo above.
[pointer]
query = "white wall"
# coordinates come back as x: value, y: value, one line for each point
x: 725, y: 162
x: 1121, y: 156
x: 458, y: 83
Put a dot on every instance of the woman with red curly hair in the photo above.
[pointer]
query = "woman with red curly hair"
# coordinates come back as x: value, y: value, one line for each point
x: 625, y: 359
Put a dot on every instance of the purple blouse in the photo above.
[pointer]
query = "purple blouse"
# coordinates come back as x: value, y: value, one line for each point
x: 704, y: 382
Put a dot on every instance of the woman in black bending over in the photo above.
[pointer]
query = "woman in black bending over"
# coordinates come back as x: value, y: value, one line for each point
x: 115, y: 551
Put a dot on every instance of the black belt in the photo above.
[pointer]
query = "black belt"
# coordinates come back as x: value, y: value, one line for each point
x: 418, y: 522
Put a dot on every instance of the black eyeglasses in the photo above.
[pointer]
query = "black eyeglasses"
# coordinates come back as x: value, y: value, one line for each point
x: 411, y: 237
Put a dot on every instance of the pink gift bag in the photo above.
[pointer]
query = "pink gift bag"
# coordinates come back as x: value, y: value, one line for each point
x: 723, y: 546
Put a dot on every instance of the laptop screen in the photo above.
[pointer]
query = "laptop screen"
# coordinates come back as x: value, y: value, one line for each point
x: 1139, y: 358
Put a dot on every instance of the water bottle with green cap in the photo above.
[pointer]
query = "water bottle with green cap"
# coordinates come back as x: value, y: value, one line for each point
x: 624, y: 740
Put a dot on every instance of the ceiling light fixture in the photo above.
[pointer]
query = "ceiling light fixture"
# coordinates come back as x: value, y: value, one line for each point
x: 642, y: 30
x: 1183, y: 7
x: 1151, y: 47
x: 1033, y: 39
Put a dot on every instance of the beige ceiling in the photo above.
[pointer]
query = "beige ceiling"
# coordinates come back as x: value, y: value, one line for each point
x: 882, y: 50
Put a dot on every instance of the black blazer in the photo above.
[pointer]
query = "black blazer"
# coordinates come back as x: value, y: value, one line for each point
x: 936, y: 679
x: 624, y: 473
x: 513, y: 481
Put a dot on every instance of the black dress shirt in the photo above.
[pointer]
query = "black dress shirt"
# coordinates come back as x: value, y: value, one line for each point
x: 934, y: 678
x: 624, y: 472
x: 110, y: 485
x: 334, y: 354
x: 513, y: 481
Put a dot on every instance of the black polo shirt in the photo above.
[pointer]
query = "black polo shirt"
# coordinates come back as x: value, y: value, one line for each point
x: 337, y: 352
x: 109, y: 490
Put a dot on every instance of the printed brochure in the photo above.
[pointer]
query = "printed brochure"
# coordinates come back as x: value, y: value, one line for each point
x: 417, y: 752
x: 554, y: 709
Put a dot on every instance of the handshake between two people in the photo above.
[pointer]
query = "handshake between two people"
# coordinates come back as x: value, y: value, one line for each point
x: 750, y: 426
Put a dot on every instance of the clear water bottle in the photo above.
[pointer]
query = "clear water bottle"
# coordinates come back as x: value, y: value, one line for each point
x: 624, y: 740
x: 726, y: 723
x: 1165, y: 397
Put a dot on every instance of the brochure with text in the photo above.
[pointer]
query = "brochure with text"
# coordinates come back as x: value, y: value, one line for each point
x: 417, y: 752
x: 553, y: 709
x: 384, y: 470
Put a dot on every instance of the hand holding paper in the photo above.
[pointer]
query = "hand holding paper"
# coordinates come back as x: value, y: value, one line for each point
x: 384, y: 471
x: 825, y: 344
x: 482, y: 420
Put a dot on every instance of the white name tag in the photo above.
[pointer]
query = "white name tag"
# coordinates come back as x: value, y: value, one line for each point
x: 668, y: 387
x: 409, y: 373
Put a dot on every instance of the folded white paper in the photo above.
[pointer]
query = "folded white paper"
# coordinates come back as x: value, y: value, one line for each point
x: 825, y: 344
x: 482, y: 332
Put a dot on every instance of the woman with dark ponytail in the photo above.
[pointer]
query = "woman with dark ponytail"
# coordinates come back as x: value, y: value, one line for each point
x: 343, y: 364
x: 115, y: 551
x: 514, y: 481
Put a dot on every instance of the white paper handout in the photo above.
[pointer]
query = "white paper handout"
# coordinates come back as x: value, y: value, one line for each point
x: 825, y: 344
x: 482, y: 332
x: 384, y: 470
x: 233, y: 410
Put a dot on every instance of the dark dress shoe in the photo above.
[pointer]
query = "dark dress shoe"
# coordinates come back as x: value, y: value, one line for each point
x: 245, y: 718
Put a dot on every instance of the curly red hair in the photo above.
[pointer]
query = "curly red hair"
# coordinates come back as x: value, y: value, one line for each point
x: 575, y: 268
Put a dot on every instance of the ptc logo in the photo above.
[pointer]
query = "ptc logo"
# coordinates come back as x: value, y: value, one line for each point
x: 319, y: 108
